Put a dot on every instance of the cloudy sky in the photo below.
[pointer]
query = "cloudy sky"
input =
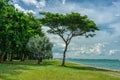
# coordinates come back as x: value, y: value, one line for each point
x: 105, y: 13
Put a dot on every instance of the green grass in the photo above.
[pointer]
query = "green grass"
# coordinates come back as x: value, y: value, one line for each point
x: 51, y: 70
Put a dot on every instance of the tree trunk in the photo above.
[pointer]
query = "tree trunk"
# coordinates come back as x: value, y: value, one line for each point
x: 2, y: 57
x: 11, y: 56
x: 5, y: 57
x: 22, y: 56
x: 64, y: 54
x: 39, y: 58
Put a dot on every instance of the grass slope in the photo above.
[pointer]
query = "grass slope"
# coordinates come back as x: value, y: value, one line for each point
x: 51, y: 70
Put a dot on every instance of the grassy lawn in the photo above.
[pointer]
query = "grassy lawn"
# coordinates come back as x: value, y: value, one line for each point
x: 51, y: 70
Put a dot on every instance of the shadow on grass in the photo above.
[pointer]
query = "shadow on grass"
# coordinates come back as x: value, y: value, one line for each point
x: 87, y: 68
x: 7, y: 70
x: 28, y: 63
x: 15, y: 68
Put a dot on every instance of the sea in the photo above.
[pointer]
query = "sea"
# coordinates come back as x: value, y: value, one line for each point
x: 99, y: 63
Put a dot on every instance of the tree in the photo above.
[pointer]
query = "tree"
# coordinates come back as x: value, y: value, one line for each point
x: 5, y: 23
x: 41, y: 47
x: 16, y: 28
x: 68, y: 26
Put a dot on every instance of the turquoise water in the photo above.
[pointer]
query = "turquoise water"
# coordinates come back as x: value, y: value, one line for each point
x: 100, y: 63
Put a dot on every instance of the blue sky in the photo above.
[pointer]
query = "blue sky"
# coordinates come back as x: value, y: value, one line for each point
x: 105, y: 13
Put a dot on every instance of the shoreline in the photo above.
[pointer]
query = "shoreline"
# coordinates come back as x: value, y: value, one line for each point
x: 99, y: 68
x: 82, y: 64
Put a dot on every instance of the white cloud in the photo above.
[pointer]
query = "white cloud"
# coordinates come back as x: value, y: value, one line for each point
x: 17, y: 6
x: 63, y: 1
x: 86, y: 51
x: 30, y: 11
x: 30, y: 2
x: 97, y: 48
x: 114, y: 51
x: 40, y: 4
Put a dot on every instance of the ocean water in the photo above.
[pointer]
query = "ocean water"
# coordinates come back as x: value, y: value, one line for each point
x: 100, y: 63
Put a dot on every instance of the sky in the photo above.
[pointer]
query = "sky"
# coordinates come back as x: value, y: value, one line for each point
x: 105, y: 13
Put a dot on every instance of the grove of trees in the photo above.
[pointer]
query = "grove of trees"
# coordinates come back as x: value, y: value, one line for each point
x: 16, y: 28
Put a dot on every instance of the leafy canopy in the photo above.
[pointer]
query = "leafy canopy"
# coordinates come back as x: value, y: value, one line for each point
x: 16, y: 28
x: 69, y: 25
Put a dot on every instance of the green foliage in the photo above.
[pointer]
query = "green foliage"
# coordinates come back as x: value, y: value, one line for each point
x: 15, y: 29
x: 41, y: 47
x: 75, y: 23
x: 68, y: 26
